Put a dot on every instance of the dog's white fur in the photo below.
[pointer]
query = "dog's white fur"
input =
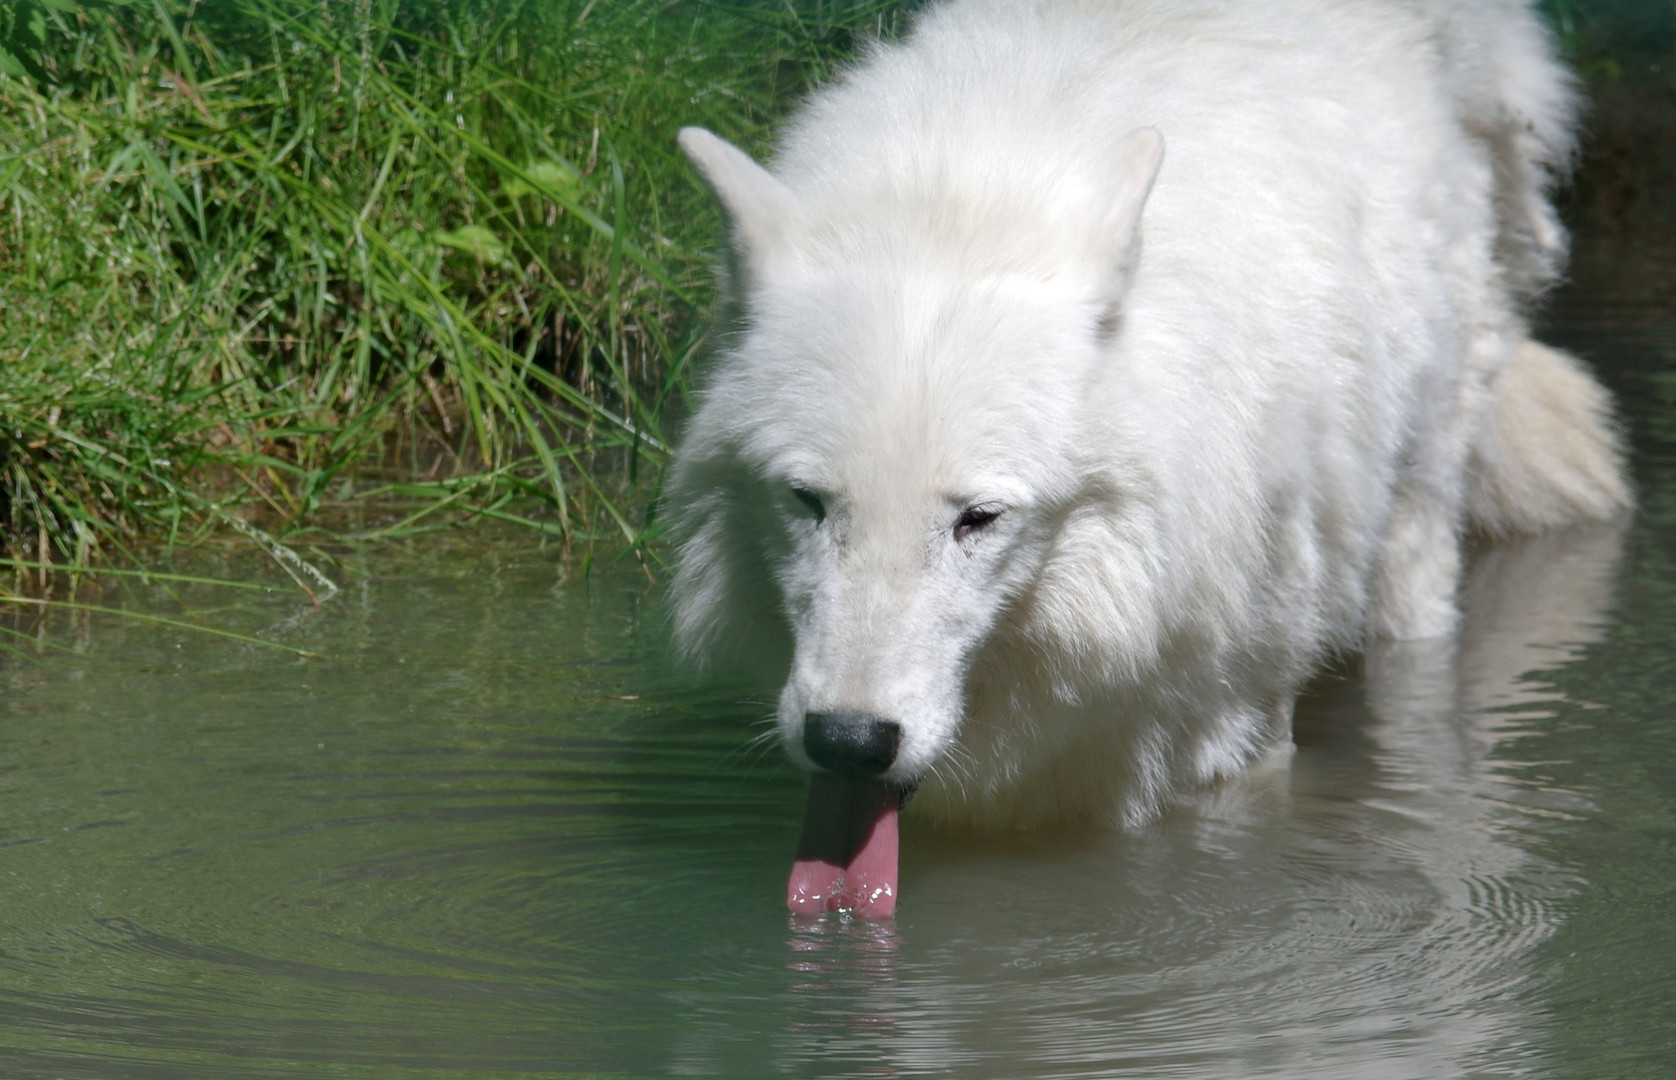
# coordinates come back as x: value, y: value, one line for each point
x: 1217, y: 306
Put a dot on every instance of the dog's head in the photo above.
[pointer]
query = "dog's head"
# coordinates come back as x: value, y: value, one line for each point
x: 886, y: 452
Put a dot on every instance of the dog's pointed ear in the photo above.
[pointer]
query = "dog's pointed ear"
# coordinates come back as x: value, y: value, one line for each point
x: 1136, y: 160
x: 756, y: 204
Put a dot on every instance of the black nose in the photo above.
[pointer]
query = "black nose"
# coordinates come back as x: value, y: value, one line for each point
x: 851, y: 743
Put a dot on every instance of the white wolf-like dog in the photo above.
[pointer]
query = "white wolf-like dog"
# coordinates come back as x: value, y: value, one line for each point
x: 1096, y: 368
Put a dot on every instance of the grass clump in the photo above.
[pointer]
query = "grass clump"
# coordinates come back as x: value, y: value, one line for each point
x: 265, y: 259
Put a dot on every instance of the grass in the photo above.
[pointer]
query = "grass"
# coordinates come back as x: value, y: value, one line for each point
x: 277, y: 269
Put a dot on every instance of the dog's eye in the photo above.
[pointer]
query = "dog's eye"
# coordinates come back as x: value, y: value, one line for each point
x: 812, y: 501
x: 972, y: 519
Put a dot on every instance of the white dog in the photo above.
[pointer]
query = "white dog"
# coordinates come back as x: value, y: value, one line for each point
x: 1096, y: 368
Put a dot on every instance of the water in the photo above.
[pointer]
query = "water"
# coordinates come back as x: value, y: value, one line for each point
x: 496, y: 834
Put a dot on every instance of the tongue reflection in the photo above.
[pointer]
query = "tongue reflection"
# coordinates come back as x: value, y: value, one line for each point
x: 846, y: 857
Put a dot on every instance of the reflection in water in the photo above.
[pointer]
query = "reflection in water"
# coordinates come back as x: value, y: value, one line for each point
x: 857, y: 959
x: 1367, y: 909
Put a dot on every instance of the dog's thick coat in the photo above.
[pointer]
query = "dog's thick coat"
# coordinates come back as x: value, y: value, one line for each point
x: 1095, y: 369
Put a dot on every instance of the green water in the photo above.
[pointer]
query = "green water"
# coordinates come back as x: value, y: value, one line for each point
x: 496, y: 833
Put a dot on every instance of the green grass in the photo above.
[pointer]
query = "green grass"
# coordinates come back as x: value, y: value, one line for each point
x: 282, y: 268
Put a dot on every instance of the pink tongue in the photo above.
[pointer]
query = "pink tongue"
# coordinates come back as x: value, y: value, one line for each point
x: 846, y: 857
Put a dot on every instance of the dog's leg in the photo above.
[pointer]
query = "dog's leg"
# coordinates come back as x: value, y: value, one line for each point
x: 1414, y: 591
x: 1420, y: 563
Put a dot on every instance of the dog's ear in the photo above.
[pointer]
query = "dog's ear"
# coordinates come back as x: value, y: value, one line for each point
x: 1136, y: 161
x: 756, y: 204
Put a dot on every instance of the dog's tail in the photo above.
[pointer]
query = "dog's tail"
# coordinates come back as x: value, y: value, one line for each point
x: 1549, y: 452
